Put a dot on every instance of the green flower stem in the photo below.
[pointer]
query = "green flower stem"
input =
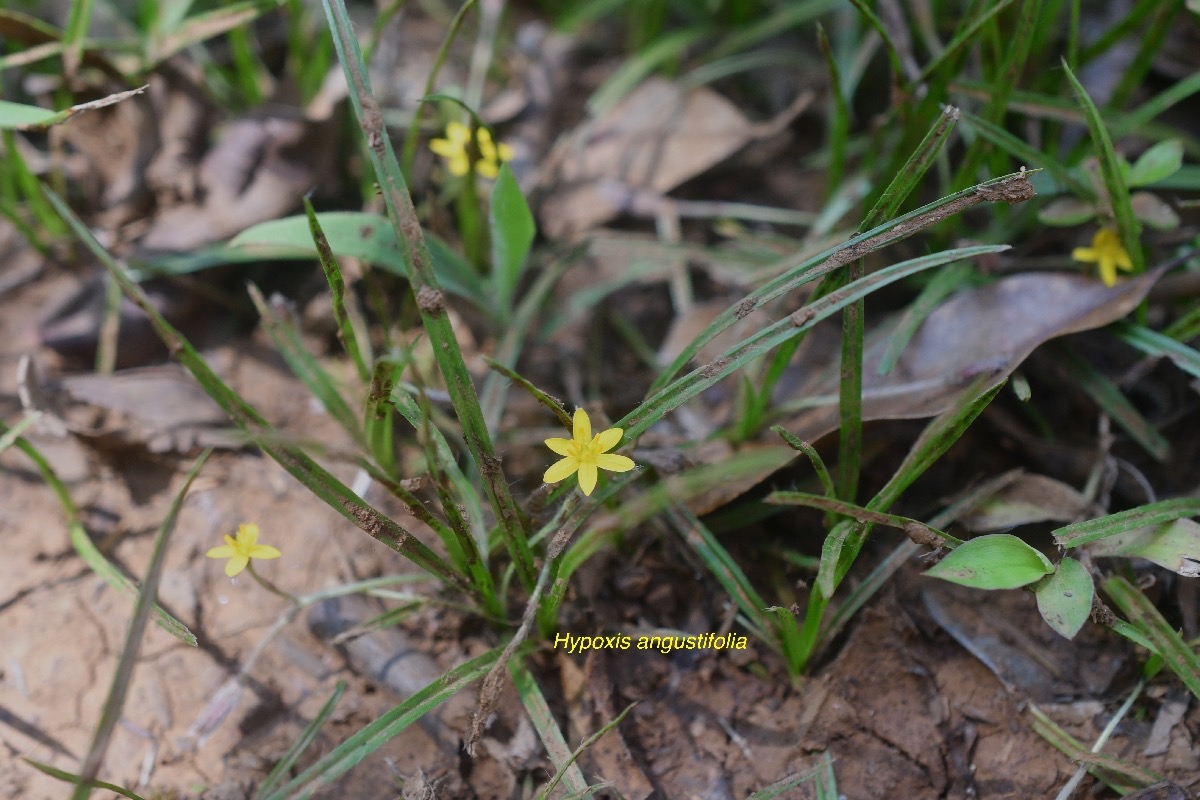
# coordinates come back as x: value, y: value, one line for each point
x: 270, y: 587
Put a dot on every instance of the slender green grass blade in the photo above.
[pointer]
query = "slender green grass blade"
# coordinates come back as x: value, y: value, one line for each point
x: 70, y: 777
x: 663, y: 402
x: 337, y: 290
x: 1153, y: 343
x: 588, y: 742
x: 115, y: 702
x: 1009, y: 188
x: 1114, y: 182
x: 1181, y: 659
x: 298, y: 747
x: 544, y: 723
x: 1080, y: 533
x: 429, y: 298
x: 87, y: 549
x: 1114, y: 403
x: 377, y: 734
x: 291, y: 458
x: 316, y: 379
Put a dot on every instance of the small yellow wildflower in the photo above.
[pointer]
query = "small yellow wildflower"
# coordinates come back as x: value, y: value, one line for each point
x: 239, y: 551
x: 586, y: 453
x: 454, y: 149
x: 1108, y: 252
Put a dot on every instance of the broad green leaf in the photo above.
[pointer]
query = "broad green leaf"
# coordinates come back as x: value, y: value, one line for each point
x: 1175, y: 545
x: 996, y: 561
x: 510, y: 224
x: 358, y: 234
x: 1065, y: 598
x: 1158, y: 163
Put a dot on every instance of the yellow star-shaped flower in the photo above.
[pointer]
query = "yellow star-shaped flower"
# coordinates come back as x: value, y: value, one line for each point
x: 458, y: 160
x: 239, y: 551
x: 586, y: 453
x: 1108, y: 252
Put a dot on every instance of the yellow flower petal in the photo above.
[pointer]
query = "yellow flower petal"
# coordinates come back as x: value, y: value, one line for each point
x: 224, y: 551
x: 608, y: 439
x: 505, y: 152
x: 487, y: 169
x: 1085, y: 254
x: 587, y: 478
x: 264, y: 551
x: 614, y: 463
x: 445, y: 148
x: 560, y: 446
x: 581, y: 427
x: 235, y: 565
x: 560, y: 470
x: 458, y: 133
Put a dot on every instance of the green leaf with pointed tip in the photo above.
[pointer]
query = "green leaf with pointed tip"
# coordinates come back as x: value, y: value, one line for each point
x: 1158, y: 163
x: 1065, y: 598
x: 997, y: 561
x: 511, y: 226
x: 1066, y: 211
x: 1175, y: 546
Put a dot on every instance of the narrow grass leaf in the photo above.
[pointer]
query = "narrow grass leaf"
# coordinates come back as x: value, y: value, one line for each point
x: 723, y: 567
x: 1153, y: 343
x: 1025, y: 154
x: 12, y: 434
x: 547, y: 728
x: 377, y: 734
x: 1114, y: 403
x: 1110, y: 169
x: 588, y: 742
x: 293, y: 753
x: 87, y: 549
x: 337, y: 290
x: 910, y: 527
x: 1132, y: 520
x: 1008, y: 188
x: 292, y: 458
x: 304, y: 366
x: 783, y: 788
x: 1172, y: 545
x: 814, y: 457
x: 429, y: 298
x: 1142, y: 614
x: 114, y: 703
x: 72, y: 778
x: 666, y: 400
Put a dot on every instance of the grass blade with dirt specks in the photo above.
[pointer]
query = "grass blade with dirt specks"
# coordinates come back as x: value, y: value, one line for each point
x: 1179, y: 658
x: 1028, y: 155
x: 1008, y: 188
x: 1080, y: 533
x: 668, y: 399
x: 907, y: 525
x: 1072, y: 748
x: 429, y: 298
x: 1110, y: 169
x: 301, y: 744
x: 337, y: 291
x: 87, y: 549
x: 378, y: 733
x: 293, y: 459
x: 115, y: 702
x: 547, y: 728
